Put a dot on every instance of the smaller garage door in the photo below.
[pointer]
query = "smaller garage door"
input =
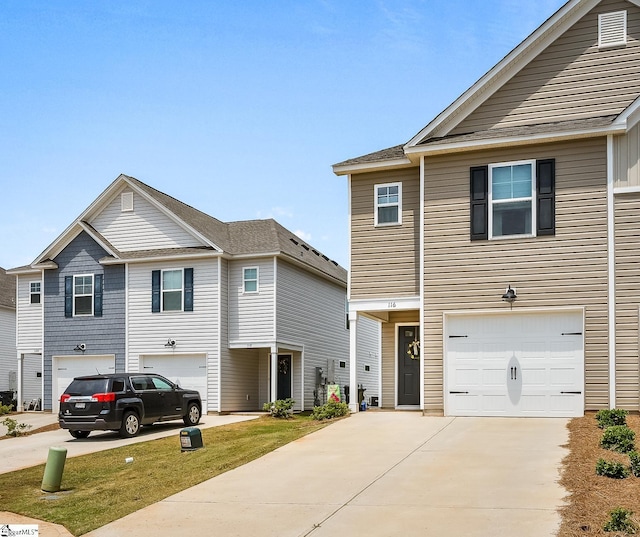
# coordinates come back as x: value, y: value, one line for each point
x: 66, y: 368
x: 187, y: 371
x: 515, y: 364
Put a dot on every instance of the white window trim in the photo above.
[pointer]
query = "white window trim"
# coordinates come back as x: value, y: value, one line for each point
x: 92, y: 294
x: 612, y: 18
x: 31, y: 293
x: 376, y: 206
x: 534, y: 223
x: 162, y: 289
x: 245, y: 280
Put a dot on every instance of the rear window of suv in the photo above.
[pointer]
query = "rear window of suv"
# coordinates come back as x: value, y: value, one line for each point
x: 88, y: 387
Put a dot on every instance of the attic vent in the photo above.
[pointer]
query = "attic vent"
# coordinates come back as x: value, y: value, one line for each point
x: 294, y: 241
x: 126, y: 199
x: 612, y: 29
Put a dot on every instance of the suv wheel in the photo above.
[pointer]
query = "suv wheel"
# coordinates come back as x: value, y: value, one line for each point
x: 79, y: 434
x: 130, y: 424
x: 192, y: 417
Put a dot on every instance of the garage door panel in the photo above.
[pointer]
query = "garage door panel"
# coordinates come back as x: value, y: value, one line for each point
x: 522, y: 360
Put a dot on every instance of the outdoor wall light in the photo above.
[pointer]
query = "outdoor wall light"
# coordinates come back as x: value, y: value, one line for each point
x: 170, y: 343
x: 510, y: 295
x: 80, y: 347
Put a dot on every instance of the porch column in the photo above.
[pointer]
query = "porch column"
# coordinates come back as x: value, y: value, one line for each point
x: 19, y: 381
x: 353, y: 362
x: 273, y: 366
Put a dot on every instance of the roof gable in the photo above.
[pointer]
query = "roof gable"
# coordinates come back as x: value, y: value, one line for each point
x: 543, y: 78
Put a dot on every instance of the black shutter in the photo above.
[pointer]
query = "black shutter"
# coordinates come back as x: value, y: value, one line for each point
x: 155, y: 291
x: 188, y: 289
x: 68, y: 296
x: 546, y: 194
x: 97, y: 295
x: 479, y: 203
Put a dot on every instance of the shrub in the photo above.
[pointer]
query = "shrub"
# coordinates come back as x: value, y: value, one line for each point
x: 620, y: 520
x: 615, y: 470
x: 330, y: 410
x: 607, y: 418
x: 14, y: 428
x: 5, y: 409
x: 618, y: 438
x: 634, y: 457
x: 282, y: 408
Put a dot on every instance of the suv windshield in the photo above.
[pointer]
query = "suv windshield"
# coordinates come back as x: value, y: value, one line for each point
x: 87, y: 386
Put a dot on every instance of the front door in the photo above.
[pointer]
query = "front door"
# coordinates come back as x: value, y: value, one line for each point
x: 408, y: 366
x: 284, y: 376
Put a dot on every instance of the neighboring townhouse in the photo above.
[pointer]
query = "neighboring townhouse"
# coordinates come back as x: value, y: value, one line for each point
x: 8, y: 363
x: 499, y: 247
x: 245, y: 312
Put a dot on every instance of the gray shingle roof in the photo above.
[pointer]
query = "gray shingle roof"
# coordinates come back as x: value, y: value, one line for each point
x: 248, y: 237
x: 391, y: 153
x: 7, y: 289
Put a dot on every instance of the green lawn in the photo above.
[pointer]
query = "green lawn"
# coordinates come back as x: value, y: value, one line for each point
x: 100, y: 487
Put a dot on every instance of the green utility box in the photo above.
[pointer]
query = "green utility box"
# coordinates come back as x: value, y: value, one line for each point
x: 53, y: 469
x: 190, y: 439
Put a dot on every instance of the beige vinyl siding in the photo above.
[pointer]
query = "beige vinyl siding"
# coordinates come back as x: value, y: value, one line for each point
x: 384, y: 259
x: 240, y: 388
x: 310, y: 313
x: 571, y: 79
x: 124, y: 230
x: 389, y: 352
x: 29, y: 316
x: 627, y: 209
x: 568, y: 269
x: 627, y: 159
x: 251, y: 314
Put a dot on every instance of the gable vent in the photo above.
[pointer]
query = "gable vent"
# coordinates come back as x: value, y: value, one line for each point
x: 612, y: 29
x: 126, y: 200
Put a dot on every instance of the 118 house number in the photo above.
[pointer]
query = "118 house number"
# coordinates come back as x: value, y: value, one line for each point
x: 391, y: 305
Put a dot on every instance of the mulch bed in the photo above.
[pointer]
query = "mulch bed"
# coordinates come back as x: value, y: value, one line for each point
x: 592, y: 497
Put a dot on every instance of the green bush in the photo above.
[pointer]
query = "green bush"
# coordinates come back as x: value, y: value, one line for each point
x: 618, y: 438
x: 620, y: 520
x: 607, y: 418
x: 634, y: 457
x: 14, y: 428
x: 330, y: 410
x: 5, y: 409
x: 615, y: 470
x: 282, y: 408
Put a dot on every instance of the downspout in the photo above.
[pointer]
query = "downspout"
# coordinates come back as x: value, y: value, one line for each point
x: 611, y: 260
x: 219, y: 338
x: 422, y: 258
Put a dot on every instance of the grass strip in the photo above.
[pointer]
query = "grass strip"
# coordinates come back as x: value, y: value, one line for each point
x: 100, y: 487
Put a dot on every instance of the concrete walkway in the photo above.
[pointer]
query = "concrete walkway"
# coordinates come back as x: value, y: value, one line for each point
x: 380, y: 474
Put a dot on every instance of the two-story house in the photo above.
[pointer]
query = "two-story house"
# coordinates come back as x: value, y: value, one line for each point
x: 499, y: 246
x: 246, y: 312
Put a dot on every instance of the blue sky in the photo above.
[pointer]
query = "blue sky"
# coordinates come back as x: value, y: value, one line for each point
x: 236, y: 108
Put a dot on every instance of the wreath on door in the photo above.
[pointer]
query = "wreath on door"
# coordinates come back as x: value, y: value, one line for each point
x: 414, y: 350
x: 283, y: 366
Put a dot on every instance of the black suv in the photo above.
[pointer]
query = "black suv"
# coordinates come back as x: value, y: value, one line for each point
x: 123, y: 402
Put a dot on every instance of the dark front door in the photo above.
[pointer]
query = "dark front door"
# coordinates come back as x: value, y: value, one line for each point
x: 408, y: 366
x: 284, y: 376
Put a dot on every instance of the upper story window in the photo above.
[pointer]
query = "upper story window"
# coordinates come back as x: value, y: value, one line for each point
x: 34, y: 293
x: 388, y: 204
x: 250, y: 280
x: 512, y: 199
x: 83, y: 295
x: 172, y: 290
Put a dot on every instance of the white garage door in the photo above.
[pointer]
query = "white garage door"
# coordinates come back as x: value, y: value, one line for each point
x: 66, y: 368
x: 187, y: 371
x: 515, y: 364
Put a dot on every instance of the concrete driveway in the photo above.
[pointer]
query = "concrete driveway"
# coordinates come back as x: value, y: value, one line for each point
x: 380, y: 474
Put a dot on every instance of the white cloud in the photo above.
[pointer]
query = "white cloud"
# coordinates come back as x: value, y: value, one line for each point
x: 303, y: 235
